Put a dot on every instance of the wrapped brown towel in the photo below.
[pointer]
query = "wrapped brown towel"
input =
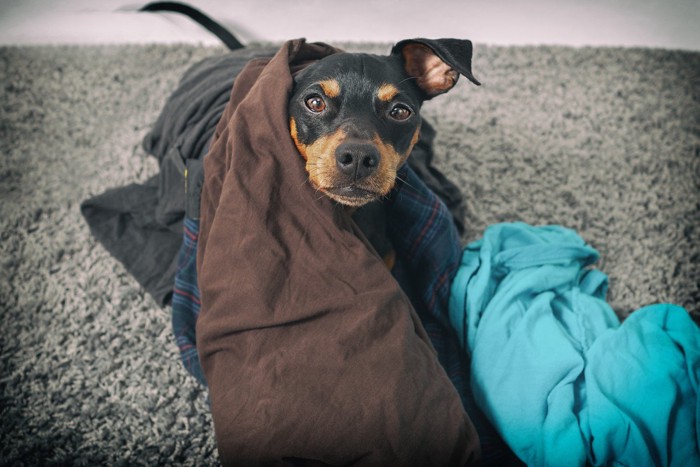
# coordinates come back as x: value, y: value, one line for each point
x: 309, y: 347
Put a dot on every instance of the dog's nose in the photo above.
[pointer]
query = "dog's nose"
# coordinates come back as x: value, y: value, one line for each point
x: 357, y: 160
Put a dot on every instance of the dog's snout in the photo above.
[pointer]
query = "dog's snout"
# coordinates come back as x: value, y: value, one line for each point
x: 357, y: 160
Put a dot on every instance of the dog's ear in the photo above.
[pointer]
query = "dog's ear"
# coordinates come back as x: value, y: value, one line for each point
x: 436, y: 63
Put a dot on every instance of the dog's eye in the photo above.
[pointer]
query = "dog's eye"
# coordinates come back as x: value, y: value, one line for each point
x: 400, y: 112
x: 315, y: 103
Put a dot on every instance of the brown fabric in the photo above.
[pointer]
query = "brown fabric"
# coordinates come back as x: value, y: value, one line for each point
x: 309, y: 347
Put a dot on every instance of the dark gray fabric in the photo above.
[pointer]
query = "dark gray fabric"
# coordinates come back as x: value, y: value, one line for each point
x: 124, y: 221
x: 141, y: 225
x: 193, y: 187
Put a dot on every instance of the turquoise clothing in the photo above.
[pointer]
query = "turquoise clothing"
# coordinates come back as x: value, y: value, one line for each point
x: 552, y: 367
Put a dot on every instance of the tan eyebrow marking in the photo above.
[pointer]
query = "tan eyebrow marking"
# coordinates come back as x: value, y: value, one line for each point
x: 387, y: 92
x: 331, y: 87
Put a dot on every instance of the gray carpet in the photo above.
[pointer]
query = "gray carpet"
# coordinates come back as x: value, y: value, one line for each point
x: 605, y: 141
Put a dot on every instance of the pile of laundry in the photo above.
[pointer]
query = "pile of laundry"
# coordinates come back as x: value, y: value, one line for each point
x: 312, y: 349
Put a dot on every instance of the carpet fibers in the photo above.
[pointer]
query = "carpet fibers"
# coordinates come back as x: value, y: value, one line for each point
x: 603, y: 140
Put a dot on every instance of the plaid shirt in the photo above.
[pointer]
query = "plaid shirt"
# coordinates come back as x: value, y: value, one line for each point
x: 428, y: 252
x: 186, y: 300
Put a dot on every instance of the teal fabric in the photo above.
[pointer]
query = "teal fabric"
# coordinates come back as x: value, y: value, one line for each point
x: 552, y: 367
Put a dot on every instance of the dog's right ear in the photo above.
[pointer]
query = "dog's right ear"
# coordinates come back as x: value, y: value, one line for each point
x: 436, y: 63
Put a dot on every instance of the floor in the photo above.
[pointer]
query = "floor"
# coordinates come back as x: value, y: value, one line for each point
x: 673, y: 24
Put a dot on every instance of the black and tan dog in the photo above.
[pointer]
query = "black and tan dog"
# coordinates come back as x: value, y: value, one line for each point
x: 356, y: 117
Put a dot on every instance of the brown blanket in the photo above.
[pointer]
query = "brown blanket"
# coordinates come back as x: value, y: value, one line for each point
x: 309, y: 347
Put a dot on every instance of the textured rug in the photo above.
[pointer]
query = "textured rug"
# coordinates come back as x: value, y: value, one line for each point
x: 605, y: 141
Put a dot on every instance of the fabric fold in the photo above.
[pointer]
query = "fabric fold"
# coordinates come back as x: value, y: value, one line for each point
x: 142, y: 225
x: 552, y: 367
x: 309, y: 347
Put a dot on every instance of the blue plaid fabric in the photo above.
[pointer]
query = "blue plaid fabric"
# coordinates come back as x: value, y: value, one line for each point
x: 186, y: 302
x: 428, y: 252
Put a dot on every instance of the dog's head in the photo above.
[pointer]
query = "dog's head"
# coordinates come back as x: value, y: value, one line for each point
x: 355, y: 117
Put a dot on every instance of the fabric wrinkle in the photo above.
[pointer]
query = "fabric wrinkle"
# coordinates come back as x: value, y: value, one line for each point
x: 599, y: 391
x: 280, y: 231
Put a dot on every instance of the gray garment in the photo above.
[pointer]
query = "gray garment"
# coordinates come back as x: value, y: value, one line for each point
x: 141, y: 225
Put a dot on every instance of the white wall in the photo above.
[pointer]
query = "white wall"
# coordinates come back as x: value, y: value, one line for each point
x: 650, y: 23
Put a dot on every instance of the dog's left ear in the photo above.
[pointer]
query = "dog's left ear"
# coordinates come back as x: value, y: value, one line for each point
x: 436, y: 63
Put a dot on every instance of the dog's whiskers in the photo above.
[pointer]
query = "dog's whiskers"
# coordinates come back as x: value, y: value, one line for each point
x: 399, y: 179
x: 406, y: 79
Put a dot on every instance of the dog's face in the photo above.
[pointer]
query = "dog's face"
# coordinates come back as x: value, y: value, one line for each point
x: 355, y: 117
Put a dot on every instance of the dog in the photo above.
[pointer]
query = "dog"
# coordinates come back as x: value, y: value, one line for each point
x: 355, y: 117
